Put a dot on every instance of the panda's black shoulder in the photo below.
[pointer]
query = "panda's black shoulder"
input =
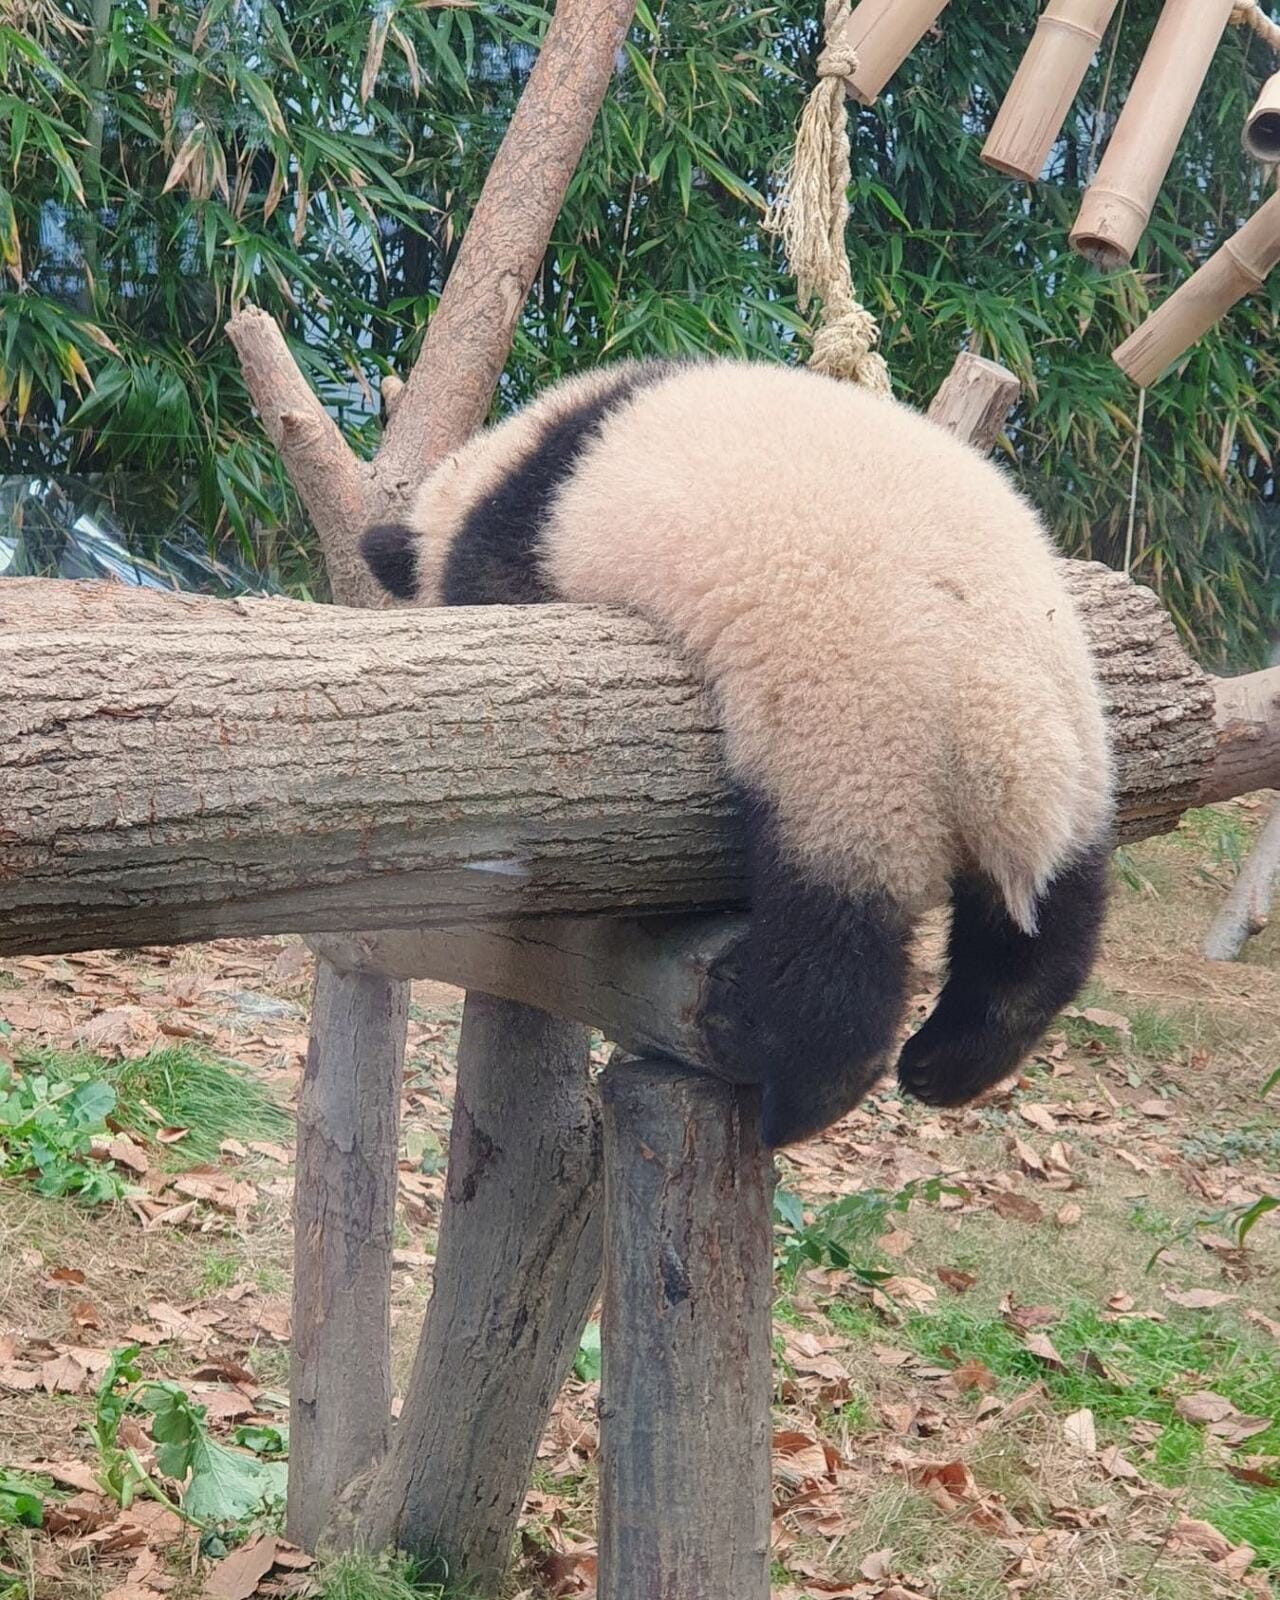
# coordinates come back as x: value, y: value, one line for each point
x: 493, y: 559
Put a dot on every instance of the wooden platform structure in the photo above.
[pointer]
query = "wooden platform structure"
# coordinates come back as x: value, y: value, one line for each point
x: 528, y: 803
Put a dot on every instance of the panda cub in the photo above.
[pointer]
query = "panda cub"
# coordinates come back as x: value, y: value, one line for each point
x: 909, y: 708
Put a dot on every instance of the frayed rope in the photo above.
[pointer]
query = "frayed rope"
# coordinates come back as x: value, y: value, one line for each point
x: 810, y: 214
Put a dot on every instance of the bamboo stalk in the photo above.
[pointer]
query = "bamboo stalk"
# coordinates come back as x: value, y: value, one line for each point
x: 883, y: 33
x: 1237, y: 269
x: 1119, y: 202
x: 1046, y: 82
x: 1262, y: 131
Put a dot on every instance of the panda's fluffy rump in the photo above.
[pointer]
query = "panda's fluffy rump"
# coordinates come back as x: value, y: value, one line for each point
x: 898, y: 665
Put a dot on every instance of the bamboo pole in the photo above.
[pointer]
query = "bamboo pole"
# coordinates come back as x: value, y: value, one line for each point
x: 1046, y: 82
x: 1237, y: 269
x: 1262, y: 131
x: 882, y: 34
x: 1119, y: 201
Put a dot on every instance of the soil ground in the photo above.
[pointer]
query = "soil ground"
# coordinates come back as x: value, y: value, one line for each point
x: 1022, y: 1349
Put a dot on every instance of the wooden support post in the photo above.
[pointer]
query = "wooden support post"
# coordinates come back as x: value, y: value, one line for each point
x: 1247, y: 909
x: 517, y: 1270
x: 684, y: 1405
x: 343, y: 1217
x: 974, y: 400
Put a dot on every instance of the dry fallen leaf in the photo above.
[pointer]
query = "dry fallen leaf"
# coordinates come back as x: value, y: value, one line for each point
x: 1204, y: 1407
x: 122, y: 1031
x: 1079, y: 1430
x: 238, y: 1575
x: 1199, y: 1299
x: 1069, y: 1215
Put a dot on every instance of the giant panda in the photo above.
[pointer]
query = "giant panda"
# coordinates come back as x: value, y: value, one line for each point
x: 908, y: 704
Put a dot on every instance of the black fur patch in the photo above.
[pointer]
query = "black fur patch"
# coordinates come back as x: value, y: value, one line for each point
x: 821, y: 990
x: 494, y: 558
x: 1004, y: 987
x: 390, y: 550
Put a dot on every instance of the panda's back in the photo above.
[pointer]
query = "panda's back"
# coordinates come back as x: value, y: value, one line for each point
x: 853, y: 579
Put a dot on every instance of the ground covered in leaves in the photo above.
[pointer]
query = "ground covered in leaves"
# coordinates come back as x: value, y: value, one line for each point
x: 1028, y: 1349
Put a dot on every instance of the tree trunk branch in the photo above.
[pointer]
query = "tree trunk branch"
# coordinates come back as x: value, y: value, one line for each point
x: 448, y: 393
x: 259, y: 766
x: 331, y: 482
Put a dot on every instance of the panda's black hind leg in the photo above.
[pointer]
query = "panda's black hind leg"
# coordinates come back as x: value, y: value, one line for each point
x: 1004, y: 986
x: 820, y: 991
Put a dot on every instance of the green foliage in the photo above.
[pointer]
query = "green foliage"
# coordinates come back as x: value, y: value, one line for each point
x: 47, y: 1127
x: 21, y: 1500
x: 1133, y: 1370
x: 218, y: 1486
x: 367, y: 1577
x: 843, y: 1233
x: 586, y: 1363
x: 162, y: 169
x: 212, y: 1098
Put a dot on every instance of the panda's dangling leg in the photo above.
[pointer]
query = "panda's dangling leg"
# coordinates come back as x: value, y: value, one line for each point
x: 820, y: 992
x: 1004, y: 987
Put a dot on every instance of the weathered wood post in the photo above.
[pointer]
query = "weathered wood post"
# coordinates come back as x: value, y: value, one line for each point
x: 516, y: 1273
x: 344, y: 1209
x: 686, y: 1386
x: 341, y: 1297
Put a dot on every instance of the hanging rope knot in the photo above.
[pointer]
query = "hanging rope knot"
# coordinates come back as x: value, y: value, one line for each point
x: 810, y: 214
x: 1249, y: 14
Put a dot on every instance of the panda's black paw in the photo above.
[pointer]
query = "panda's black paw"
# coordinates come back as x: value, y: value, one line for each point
x: 941, y: 1072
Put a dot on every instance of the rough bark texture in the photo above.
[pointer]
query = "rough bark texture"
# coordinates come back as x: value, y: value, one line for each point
x: 684, y: 1399
x: 1247, y: 753
x: 447, y: 396
x: 974, y: 400
x: 263, y: 766
x: 659, y: 986
x: 1247, y: 909
x: 1160, y: 704
x: 516, y: 1273
x: 344, y: 1220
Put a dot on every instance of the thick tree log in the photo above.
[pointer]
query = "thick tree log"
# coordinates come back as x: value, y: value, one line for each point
x: 685, y: 1391
x: 259, y: 766
x: 515, y: 1276
x: 344, y: 1220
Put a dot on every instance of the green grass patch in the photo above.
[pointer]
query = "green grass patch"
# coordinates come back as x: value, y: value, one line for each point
x: 1152, y: 1034
x: 1145, y: 1367
x: 213, y: 1098
x: 1223, y: 836
x: 364, y: 1577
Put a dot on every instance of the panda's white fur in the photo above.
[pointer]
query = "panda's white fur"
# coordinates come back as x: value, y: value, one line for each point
x: 901, y: 674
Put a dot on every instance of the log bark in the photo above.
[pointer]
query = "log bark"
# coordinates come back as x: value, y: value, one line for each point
x: 1247, y: 909
x: 516, y: 1273
x: 344, y: 1221
x: 686, y: 1387
x: 275, y: 767
x: 659, y: 986
x: 974, y: 400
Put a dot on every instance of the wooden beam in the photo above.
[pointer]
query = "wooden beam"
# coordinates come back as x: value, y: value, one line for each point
x: 260, y: 766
